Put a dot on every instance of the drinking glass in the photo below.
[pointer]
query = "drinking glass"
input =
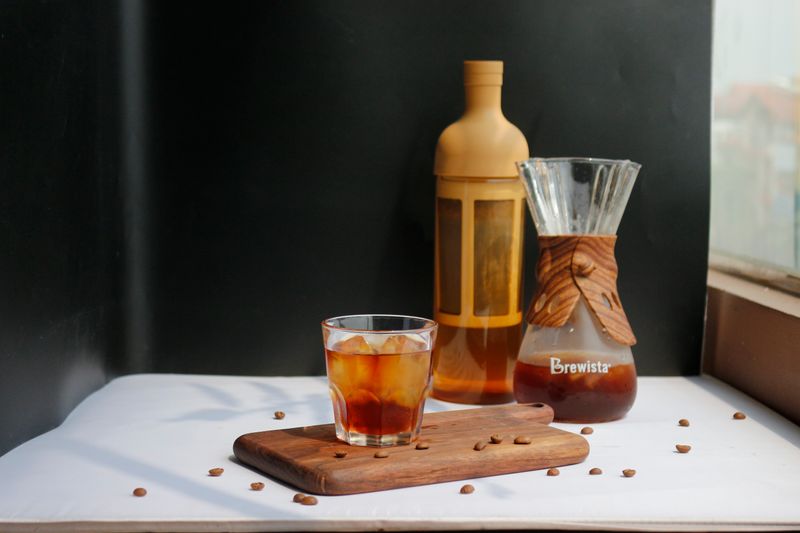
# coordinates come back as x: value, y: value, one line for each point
x: 379, y: 374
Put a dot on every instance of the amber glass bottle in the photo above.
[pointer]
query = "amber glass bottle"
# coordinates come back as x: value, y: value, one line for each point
x: 480, y: 213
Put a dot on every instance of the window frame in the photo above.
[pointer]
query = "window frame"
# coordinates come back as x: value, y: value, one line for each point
x: 752, y: 339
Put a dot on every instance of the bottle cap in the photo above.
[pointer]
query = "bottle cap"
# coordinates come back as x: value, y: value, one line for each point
x: 483, y: 73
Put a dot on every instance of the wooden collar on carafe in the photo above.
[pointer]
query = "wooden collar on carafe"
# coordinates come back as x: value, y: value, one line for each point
x: 571, y: 266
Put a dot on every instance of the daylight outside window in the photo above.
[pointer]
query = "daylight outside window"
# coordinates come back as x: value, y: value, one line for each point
x: 755, y: 175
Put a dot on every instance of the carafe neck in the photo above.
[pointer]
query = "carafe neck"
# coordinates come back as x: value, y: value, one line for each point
x: 482, y: 99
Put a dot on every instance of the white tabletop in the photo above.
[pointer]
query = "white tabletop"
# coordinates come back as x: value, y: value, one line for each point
x: 163, y: 432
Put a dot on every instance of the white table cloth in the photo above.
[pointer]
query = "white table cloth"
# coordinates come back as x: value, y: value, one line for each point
x: 164, y: 432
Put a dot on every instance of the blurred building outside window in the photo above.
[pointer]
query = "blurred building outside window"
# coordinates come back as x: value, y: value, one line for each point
x: 755, y: 140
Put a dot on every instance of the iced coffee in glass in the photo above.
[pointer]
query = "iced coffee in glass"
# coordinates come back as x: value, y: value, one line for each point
x: 379, y: 374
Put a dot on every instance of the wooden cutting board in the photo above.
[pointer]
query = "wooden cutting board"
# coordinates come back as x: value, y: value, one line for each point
x: 304, y: 456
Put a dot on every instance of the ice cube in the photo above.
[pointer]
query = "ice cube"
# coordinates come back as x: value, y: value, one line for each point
x: 409, y: 372
x: 590, y: 381
x: 406, y: 397
x: 403, y: 344
x: 356, y: 345
x: 375, y: 341
x: 337, y: 368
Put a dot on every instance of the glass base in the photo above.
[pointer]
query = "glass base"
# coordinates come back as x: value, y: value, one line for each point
x: 363, y: 439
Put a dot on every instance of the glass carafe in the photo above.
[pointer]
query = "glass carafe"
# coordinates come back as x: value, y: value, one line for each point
x: 576, y: 353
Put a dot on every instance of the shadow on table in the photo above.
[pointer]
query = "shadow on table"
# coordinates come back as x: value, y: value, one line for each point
x: 270, y: 399
x: 765, y: 416
x: 184, y: 484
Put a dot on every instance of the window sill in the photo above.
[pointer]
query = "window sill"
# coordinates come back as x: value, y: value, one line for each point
x: 752, y: 341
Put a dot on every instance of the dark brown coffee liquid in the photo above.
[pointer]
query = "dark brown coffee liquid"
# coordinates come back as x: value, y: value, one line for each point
x: 378, y: 394
x: 577, y: 390
x: 475, y: 365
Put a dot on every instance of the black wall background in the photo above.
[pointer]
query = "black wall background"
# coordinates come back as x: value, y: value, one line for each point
x: 192, y: 187
x: 60, y: 229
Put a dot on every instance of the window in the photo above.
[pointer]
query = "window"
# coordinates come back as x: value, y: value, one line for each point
x: 752, y: 333
x: 755, y: 154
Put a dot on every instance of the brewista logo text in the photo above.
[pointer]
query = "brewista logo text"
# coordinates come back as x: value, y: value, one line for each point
x: 597, y: 367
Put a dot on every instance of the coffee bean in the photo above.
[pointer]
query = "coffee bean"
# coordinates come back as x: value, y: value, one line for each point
x: 279, y: 415
x: 595, y: 472
x: 308, y: 500
x: 587, y: 431
x: 381, y: 455
x: 522, y: 440
x: 629, y: 472
x: 553, y: 472
x: 683, y: 448
x: 479, y: 445
x: 257, y: 486
x: 340, y: 454
x: 216, y: 472
x: 423, y: 445
x: 738, y: 415
x: 496, y: 439
x: 298, y: 497
x: 467, y: 489
x: 139, y: 492
x: 683, y: 422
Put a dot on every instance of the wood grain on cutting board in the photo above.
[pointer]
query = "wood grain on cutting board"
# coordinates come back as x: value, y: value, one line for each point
x: 304, y: 456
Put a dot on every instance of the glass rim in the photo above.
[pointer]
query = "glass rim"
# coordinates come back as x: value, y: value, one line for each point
x: 590, y: 160
x: 430, y: 325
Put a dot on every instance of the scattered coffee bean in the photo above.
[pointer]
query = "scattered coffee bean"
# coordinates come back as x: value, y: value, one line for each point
x: 587, y: 431
x: 381, y: 455
x: 522, y: 440
x: 139, y: 492
x: 595, y: 472
x: 738, y: 415
x: 683, y: 422
x: 279, y: 415
x: 216, y: 472
x: 257, y: 486
x: 467, y: 489
x: 683, y: 448
x: 423, y: 446
x: 553, y: 472
x: 340, y: 453
x: 629, y: 472
x: 496, y: 439
x: 479, y: 445
x: 298, y: 497
x: 308, y: 500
